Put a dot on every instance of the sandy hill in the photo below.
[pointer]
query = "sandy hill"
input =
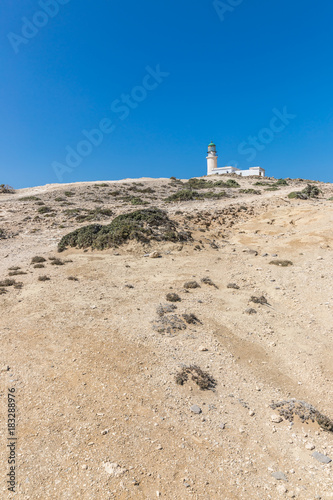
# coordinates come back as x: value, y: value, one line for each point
x: 191, y: 358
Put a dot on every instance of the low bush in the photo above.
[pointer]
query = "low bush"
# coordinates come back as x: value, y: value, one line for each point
x: 44, y: 210
x: 203, y: 379
x: 141, y: 225
x: 43, y: 278
x: 5, y: 189
x: 250, y: 191
x: 173, y: 297
x: 283, y: 263
x: 29, y: 198
x: 309, y: 192
x: 37, y: 259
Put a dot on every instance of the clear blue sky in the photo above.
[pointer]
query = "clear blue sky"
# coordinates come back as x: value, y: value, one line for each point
x: 160, y: 80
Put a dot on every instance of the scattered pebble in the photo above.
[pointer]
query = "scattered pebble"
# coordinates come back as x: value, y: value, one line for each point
x: 279, y: 476
x: 321, y: 458
x: 196, y: 409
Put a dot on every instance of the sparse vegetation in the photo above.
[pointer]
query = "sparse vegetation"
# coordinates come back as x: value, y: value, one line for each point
x: 259, y: 300
x: 43, y: 278
x: 72, y: 278
x: 142, y: 225
x: 167, y: 308
x: 184, y: 195
x: 190, y: 318
x: 250, y: 191
x: 37, y: 259
x: 208, y: 281
x: 44, y: 210
x: 169, y: 324
x: 69, y: 193
x: 203, y: 379
x: 16, y: 273
x: 29, y: 198
x: 5, y: 189
x: 173, y: 297
x: 309, y: 191
x: 38, y: 266
x: 191, y: 284
x: 283, y: 263
x: 7, y: 282
x: 138, y: 201
x: 281, y: 182
x: 57, y: 262
x: 233, y: 285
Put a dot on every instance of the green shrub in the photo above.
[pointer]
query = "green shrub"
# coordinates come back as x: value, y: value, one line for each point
x: 138, y: 201
x: 29, y: 198
x: 184, y: 195
x: 281, y: 182
x: 309, y: 192
x: 142, y: 225
x: 69, y: 193
x: 250, y: 191
x: 231, y: 183
x: 44, y: 210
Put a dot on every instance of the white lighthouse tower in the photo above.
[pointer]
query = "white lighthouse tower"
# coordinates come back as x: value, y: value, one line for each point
x: 211, y: 158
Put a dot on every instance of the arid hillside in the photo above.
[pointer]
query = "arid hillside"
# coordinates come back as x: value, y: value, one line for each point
x: 168, y: 339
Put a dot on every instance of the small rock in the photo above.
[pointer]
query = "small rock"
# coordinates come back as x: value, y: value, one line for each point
x: 279, y: 476
x: 5, y: 368
x: 196, y: 409
x: 250, y: 310
x: 222, y: 426
x: 310, y: 446
x: 281, y: 489
x: 265, y: 255
x: 291, y: 494
x: 274, y: 254
x: 321, y: 458
x: 241, y: 430
x: 155, y: 255
x: 113, y: 469
x: 202, y: 348
x: 104, y: 432
x: 84, y: 467
x: 276, y: 419
x: 251, y: 413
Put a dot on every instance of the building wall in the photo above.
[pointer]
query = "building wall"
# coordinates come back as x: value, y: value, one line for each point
x: 243, y: 173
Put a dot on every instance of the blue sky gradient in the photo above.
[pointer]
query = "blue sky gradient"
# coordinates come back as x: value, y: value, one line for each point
x: 157, y: 81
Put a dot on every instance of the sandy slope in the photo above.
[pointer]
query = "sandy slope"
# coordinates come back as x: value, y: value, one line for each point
x: 95, y: 382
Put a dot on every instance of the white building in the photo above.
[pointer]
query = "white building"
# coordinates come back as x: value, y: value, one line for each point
x: 212, y: 167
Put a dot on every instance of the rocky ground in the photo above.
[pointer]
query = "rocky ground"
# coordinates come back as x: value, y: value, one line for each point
x: 199, y: 369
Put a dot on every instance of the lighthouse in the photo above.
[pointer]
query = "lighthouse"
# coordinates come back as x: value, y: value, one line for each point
x: 211, y: 158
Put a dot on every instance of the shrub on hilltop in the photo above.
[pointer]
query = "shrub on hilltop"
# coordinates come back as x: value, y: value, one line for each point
x: 5, y: 189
